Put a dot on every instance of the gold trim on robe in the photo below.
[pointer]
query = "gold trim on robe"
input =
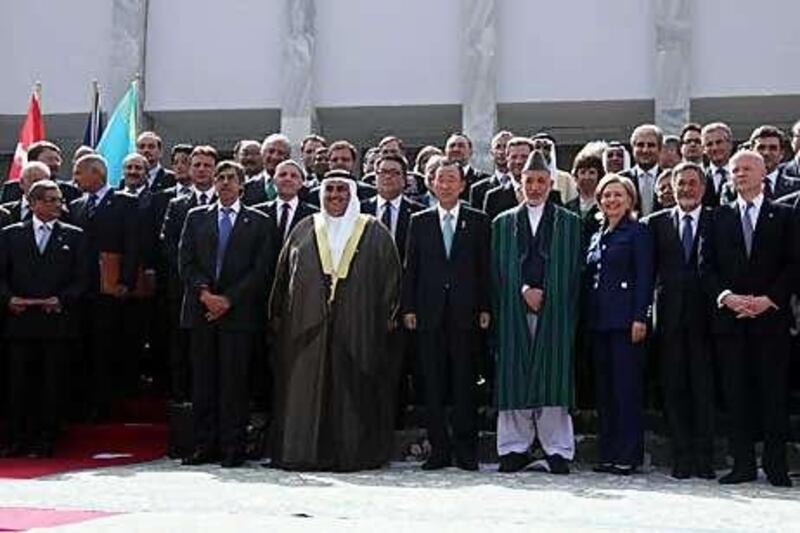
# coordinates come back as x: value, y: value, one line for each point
x: 350, y: 249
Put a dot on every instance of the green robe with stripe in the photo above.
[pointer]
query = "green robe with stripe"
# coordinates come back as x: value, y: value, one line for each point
x: 536, y: 372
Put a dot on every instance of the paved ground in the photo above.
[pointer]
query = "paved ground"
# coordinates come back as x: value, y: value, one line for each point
x: 163, y: 496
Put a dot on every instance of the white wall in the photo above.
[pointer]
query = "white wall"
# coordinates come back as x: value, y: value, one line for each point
x: 746, y: 48
x: 224, y: 57
x: 378, y: 53
x: 575, y: 50
x: 62, y: 44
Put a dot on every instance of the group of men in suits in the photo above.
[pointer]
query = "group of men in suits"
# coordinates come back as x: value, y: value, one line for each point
x: 164, y: 230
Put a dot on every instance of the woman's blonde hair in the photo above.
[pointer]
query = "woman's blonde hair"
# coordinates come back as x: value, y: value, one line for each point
x: 626, y: 183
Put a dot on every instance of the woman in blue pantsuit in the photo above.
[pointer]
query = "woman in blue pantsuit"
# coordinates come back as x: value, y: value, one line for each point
x: 619, y: 290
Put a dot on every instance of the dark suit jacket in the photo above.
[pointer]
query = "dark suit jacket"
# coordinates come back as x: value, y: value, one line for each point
x: 589, y: 221
x: 302, y: 211
x: 6, y: 217
x: 12, y: 192
x: 25, y: 272
x: 472, y: 176
x: 254, y: 192
x: 680, y: 300
x: 14, y: 210
x: 791, y: 168
x: 246, y: 274
x: 711, y: 196
x: 504, y: 197
x: 171, y: 228
x: 478, y: 190
x: 431, y: 279
x: 770, y: 270
x: 619, y: 277
x: 164, y: 179
x: 114, y: 228
x: 631, y: 174
x: 407, y: 208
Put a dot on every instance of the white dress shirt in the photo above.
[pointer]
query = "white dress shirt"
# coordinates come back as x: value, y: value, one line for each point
x: 37, y: 229
x: 290, y: 216
x: 197, y: 192
x: 234, y: 211
x: 151, y: 175
x: 535, y: 213
x: 395, y: 211
x: 453, y: 212
x: 647, y: 186
x: 715, y: 175
x: 695, y: 217
x: 741, y: 204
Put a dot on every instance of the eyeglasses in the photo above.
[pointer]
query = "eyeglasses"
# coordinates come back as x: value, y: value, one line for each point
x: 389, y: 172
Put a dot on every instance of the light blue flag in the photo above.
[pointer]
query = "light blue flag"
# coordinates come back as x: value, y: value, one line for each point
x: 119, y: 137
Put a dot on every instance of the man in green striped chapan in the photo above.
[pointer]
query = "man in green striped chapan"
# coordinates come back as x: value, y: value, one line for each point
x: 536, y: 262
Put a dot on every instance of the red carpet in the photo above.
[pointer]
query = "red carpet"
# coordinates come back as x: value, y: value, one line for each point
x: 98, y: 446
x: 22, y: 519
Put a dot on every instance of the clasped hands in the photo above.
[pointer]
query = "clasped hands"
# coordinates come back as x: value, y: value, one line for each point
x: 216, y: 305
x: 410, y: 320
x: 748, y: 306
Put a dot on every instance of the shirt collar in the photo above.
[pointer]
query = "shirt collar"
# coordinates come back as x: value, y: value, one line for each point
x: 773, y: 177
x: 500, y: 176
x: 151, y: 175
x: 292, y: 203
x: 197, y: 192
x: 694, y: 213
x: 234, y: 207
x: 535, y: 210
x: 101, y: 193
x: 453, y: 211
x: 395, y: 203
x: 24, y: 202
x: 714, y: 169
x: 37, y: 224
x: 652, y: 172
x: 757, y: 201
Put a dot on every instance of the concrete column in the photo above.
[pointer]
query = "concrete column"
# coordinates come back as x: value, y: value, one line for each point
x: 127, y: 55
x: 297, y: 110
x: 673, y: 21
x: 479, y: 78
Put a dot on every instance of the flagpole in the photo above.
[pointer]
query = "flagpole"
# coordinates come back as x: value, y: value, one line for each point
x: 137, y: 79
x: 37, y: 90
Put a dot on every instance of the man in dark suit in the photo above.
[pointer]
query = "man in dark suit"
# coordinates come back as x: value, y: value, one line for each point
x: 682, y: 324
x: 42, y: 276
x: 459, y: 148
x: 109, y: 220
x: 446, y: 300
x: 247, y: 152
x: 148, y: 143
x: 49, y: 154
x: 342, y: 158
x: 287, y: 209
x: 646, y: 141
x: 691, y: 137
x: 261, y: 188
x: 201, y: 172
x: 769, y: 141
x: 478, y: 190
x: 749, y: 269
x: 226, y: 253
x: 389, y: 205
x: 717, y: 139
x: 19, y: 210
x: 509, y: 195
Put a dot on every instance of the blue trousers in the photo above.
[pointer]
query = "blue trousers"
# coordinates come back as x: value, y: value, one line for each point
x: 619, y: 384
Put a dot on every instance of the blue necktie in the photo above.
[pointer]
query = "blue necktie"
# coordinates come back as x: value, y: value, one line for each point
x: 91, y: 205
x: 225, y: 228
x: 386, y: 218
x: 447, y: 233
x: 687, y: 239
x: 747, y: 228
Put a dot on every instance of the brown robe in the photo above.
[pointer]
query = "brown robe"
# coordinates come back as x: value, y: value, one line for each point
x: 335, y: 365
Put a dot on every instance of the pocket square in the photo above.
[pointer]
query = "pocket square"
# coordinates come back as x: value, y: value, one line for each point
x: 65, y: 247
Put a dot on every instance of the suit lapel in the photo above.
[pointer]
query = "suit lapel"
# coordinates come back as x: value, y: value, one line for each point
x: 461, y: 226
x: 765, y: 220
x: 402, y: 222
x: 436, y: 231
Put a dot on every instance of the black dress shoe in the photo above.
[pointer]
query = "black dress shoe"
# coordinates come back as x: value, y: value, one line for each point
x: 467, y: 463
x: 704, y: 471
x: 681, y: 471
x: 15, y: 449
x: 436, y: 462
x: 199, y: 457
x: 779, y: 479
x: 234, y: 460
x: 603, y: 468
x: 514, y: 462
x: 623, y: 470
x: 557, y: 464
x: 735, y: 477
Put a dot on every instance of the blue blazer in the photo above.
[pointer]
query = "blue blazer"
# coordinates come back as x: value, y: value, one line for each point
x: 619, y: 276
